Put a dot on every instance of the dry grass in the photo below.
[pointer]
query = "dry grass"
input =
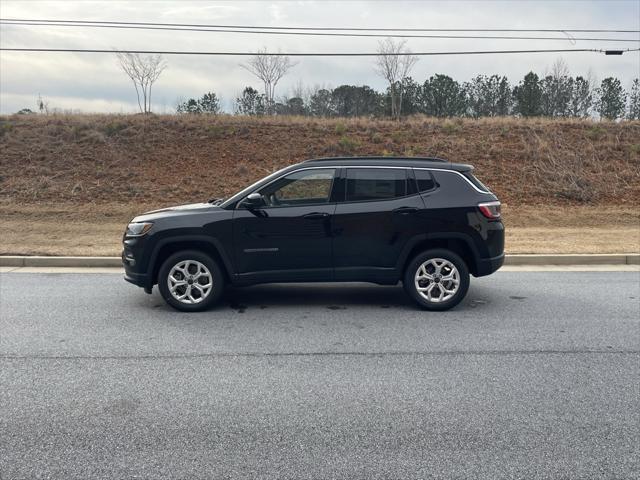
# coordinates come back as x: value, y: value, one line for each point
x: 97, y: 229
x: 69, y: 184
x: 102, y: 158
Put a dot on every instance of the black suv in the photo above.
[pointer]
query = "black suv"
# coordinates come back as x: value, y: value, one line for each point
x: 423, y: 221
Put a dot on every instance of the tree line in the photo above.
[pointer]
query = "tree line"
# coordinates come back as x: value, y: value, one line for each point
x: 554, y: 94
x: 441, y: 96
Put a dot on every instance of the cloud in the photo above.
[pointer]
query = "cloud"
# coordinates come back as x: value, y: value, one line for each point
x: 93, y: 82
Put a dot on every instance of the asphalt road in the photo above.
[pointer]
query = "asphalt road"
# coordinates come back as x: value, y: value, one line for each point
x: 535, y: 375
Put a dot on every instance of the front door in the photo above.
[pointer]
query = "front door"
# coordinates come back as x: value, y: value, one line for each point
x: 288, y: 238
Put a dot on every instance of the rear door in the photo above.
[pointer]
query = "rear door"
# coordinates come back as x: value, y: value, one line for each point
x: 374, y: 221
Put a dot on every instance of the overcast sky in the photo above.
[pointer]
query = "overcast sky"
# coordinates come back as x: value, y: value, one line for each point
x: 94, y: 83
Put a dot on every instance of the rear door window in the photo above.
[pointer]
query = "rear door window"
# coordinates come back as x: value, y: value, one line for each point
x: 375, y: 183
x: 425, y: 180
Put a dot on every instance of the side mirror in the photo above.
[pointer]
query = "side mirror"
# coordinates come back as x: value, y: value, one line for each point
x: 254, y: 200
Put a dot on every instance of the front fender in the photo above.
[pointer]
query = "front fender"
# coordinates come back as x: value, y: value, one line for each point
x: 215, y: 244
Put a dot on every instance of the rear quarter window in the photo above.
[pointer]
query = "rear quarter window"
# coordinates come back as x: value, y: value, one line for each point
x: 477, y: 183
x: 454, y: 189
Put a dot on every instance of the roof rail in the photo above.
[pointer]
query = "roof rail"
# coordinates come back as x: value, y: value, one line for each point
x: 374, y: 157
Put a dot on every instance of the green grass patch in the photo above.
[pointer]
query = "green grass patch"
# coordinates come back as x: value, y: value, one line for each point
x: 595, y: 132
x: 340, y: 128
x: 347, y: 144
x: 450, y: 127
x: 113, y: 128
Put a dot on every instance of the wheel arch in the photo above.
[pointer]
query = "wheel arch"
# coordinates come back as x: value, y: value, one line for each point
x: 459, y: 243
x: 204, y: 244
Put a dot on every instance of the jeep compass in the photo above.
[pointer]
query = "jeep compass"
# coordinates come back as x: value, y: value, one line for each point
x: 425, y: 222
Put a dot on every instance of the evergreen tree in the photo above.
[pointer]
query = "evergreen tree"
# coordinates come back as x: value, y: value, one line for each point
x: 250, y: 103
x: 295, y: 106
x: 189, y: 106
x: 410, y: 97
x: 612, y: 99
x: 504, y: 102
x: 354, y: 101
x: 443, y: 97
x: 581, y: 98
x: 488, y: 96
x: 207, y: 104
x: 321, y: 103
x: 556, y: 95
x: 528, y: 96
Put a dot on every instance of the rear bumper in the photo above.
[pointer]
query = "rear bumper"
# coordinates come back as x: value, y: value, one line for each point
x: 486, y: 266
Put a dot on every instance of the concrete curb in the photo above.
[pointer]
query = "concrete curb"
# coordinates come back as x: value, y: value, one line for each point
x: 574, y: 259
x: 529, y: 259
x: 36, y: 261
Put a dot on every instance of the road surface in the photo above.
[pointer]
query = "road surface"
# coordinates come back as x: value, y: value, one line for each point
x: 534, y: 375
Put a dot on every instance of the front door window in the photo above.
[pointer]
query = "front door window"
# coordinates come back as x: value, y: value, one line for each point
x: 305, y: 187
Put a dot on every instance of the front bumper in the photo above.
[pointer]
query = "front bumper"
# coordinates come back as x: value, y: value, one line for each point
x: 140, y: 279
x: 486, y: 266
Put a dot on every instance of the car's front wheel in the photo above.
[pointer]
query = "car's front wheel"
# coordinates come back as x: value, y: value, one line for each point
x: 437, y: 279
x: 190, y: 281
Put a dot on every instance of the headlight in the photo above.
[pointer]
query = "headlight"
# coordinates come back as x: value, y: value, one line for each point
x: 138, y: 229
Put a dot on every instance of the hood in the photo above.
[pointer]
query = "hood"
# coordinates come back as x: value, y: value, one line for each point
x: 189, y: 206
x: 175, y: 211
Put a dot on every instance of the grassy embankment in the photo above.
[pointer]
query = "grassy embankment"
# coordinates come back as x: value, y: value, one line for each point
x: 69, y: 184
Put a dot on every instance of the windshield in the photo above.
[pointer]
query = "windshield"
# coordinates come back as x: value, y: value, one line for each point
x: 245, y: 191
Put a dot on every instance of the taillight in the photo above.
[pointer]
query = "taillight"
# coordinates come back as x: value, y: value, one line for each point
x: 491, y: 210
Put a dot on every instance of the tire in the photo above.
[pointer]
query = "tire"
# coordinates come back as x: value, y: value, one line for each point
x: 438, y: 265
x: 185, y: 265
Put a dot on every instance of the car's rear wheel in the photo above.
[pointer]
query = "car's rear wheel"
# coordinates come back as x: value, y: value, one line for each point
x: 190, y: 281
x: 437, y: 279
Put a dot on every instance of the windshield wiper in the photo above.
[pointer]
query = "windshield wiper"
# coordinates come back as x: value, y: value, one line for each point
x: 215, y: 201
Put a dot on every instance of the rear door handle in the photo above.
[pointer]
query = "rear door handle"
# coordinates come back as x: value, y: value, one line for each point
x: 405, y: 210
x: 315, y: 215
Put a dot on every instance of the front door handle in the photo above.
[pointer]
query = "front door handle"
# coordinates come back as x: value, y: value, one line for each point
x: 315, y: 215
x: 405, y: 210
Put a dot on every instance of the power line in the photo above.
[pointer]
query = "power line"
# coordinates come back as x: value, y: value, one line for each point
x: 371, y: 29
x: 126, y: 25
x: 316, y: 54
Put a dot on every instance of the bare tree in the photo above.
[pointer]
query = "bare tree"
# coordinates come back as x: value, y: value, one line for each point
x: 270, y: 69
x: 43, y: 106
x: 394, y: 63
x: 143, y: 70
x: 559, y: 69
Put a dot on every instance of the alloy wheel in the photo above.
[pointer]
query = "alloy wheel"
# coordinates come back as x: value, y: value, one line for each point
x: 437, y: 280
x: 190, y: 282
